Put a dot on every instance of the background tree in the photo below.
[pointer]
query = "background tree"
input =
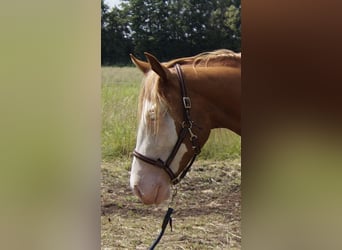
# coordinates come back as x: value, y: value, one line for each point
x: 169, y: 29
x: 116, y: 43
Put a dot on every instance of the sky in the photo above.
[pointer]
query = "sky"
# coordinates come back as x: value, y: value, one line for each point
x: 111, y: 3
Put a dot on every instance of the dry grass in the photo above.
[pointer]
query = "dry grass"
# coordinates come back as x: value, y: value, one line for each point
x: 207, y: 210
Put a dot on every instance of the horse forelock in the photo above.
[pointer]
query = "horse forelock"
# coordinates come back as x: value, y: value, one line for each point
x: 152, y: 102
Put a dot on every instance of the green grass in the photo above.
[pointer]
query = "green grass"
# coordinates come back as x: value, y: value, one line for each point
x: 222, y: 144
x: 120, y: 91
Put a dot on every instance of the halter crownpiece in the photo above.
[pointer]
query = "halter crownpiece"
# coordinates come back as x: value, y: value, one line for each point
x: 187, y: 125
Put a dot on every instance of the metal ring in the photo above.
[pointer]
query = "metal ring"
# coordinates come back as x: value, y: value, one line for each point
x: 187, y: 125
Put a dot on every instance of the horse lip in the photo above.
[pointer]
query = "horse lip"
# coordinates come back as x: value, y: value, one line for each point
x: 143, y: 198
x: 156, y: 196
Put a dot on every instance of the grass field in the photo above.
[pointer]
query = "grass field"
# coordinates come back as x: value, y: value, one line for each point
x: 207, y: 206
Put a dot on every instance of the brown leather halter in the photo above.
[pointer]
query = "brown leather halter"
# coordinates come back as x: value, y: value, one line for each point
x: 187, y: 125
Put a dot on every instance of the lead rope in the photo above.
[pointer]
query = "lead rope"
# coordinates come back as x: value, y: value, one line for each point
x: 167, y: 220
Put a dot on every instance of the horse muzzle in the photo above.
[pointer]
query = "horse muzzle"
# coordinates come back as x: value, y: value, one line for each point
x: 150, y: 184
x: 155, y: 195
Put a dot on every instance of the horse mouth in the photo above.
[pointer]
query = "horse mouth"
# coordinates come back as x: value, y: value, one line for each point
x: 157, y: 197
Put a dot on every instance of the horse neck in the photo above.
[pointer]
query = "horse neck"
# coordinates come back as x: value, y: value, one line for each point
x: 217, y: 90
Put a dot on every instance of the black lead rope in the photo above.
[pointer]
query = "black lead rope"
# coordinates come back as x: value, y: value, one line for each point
x: 167, y: 220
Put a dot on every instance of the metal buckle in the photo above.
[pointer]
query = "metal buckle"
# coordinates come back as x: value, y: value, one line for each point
x: 187, y: 124
x: 187, y: 102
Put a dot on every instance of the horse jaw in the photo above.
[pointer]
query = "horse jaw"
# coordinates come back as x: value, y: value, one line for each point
x: 150, y: 183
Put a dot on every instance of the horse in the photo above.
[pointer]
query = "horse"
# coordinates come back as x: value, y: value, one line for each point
x: 180, y: 102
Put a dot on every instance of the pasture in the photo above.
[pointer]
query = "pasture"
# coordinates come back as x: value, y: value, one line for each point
x: 207, y: 205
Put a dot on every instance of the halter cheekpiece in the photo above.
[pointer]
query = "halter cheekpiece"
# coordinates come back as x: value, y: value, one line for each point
x: 187, y: 126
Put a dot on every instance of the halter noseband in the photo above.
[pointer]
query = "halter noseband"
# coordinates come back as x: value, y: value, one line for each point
x: 186, y: 128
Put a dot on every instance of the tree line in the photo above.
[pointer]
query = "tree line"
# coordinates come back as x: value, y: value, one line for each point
x: 168, y: 28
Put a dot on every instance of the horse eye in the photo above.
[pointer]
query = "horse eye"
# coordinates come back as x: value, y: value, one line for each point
x: 152, y: 115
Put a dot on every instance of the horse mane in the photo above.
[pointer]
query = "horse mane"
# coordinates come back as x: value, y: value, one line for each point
x: 221, y: 57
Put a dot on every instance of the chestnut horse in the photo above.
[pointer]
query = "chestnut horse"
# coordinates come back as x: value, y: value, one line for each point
x: 180, y: 102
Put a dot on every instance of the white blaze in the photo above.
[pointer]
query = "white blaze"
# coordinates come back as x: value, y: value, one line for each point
x: 152, y: 182
x: 159, y: 145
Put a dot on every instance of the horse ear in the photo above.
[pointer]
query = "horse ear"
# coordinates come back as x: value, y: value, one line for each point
x: 157, y: 67
x: 143, y: 66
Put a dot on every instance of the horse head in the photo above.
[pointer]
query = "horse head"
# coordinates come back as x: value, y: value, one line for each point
x: 165, y: 140
x: 180, y: 102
